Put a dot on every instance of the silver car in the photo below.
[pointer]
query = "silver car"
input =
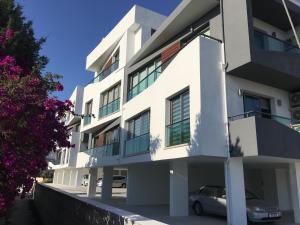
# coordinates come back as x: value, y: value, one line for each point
x: 212, y: 200
x: 118, y: 181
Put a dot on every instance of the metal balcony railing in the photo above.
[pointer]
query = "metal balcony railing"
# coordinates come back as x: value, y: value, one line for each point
x: 109, y: 108
x: 267, y: 42
x: 106, y: 72
x: 87, y: 120
x: 178, y: 133
x: 137, y: 145
x: 104, y: 151
x: 279, y: 119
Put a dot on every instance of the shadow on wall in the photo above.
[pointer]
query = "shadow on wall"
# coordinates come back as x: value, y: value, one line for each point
x: 155, y: 144
x: 209, y: 136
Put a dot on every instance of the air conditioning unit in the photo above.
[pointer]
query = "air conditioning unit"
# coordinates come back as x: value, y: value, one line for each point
x: 295, y: 115
x: 84, y: 138
x: 295, y: 99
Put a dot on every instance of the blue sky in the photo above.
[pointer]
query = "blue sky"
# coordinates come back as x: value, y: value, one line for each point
x: 74, y: 27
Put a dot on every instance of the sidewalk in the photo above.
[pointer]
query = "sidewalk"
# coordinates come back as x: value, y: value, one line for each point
x: 23, y: 213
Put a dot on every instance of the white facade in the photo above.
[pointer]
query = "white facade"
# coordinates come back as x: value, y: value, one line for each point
x: 165, y: 173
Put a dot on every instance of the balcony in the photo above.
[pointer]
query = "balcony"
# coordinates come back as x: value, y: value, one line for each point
x: 111, y: 107
x: 87, y: 120
x: 266, y: 42
x: 178, y: 133
x: 145, y: 83
x: 258, y: 57
x: 104, y: 151
x: 137, y: 145
x: 257, y: 134
x: 106, y: 72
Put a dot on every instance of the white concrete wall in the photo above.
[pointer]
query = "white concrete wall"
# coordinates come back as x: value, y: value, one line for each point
x: 148, y: 184
x: 137, y: 15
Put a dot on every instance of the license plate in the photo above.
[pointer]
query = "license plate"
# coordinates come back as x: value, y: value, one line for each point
x: 273, y: 215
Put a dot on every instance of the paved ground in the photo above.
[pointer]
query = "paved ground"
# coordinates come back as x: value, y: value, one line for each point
x: 159, y: 213
x: 22, y: 213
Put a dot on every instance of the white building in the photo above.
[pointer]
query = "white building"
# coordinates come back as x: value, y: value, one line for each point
x: 192, y: 100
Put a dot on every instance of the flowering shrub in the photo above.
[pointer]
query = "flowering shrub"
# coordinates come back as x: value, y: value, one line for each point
x: 30, y: 120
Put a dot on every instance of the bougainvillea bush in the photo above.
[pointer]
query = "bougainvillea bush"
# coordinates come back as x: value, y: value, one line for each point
x: 30, y: 120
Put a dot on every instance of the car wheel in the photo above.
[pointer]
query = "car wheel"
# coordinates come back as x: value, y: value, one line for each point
x: 198, y: 209
x: 123, y: 185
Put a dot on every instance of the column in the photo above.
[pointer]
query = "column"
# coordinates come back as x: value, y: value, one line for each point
x: 235, y: 188
x: 55, y: 177
x: 78, y: 177
x: 179, y: 188
x: 107, y: 183
x: 92, y: 182
x: 295, y: 189
x: 283, y: 190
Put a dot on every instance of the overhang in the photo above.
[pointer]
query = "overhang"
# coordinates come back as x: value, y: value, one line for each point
x: 264, y: 10
x: 187, y: 12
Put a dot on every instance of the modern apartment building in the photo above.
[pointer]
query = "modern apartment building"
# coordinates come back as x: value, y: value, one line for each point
x: 206, y: 96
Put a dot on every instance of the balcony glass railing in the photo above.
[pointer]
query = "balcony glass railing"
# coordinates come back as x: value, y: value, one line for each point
x: 145, y: 83
x: 137, y: 145
x: 104, y: 73
x: 178, y: 133
x: 87, y: 120
x: 279, y: 119
x: 266, y: 42
x: 109, y: 108
x: 104, y: 151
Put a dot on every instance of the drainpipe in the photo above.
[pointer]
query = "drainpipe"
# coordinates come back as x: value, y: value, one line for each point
x: 291, y: 22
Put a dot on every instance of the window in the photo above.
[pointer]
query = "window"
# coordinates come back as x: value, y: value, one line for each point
x: 178, y: 132
x: 110, y: 66
x: 88, y: 112
x: 138, y: 137
x: 110, y: 101
x: 142, y: 79
x: 138, y: 126
x: 112, y: 136
x: 256, y: 105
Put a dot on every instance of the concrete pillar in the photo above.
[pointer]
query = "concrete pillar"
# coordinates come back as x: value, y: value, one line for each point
x: 283, y: 189
x: 78, y: 177
x: 62, y: 176
x: 54, y: 177
x: 71, y: 180
x: 295, y: 189
x: 92, y: 182
x: 106, y: 192
x: 90, y: 142
x: 235, y: 191
x: 179, y: 188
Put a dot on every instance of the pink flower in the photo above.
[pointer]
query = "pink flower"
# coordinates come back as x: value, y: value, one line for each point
x: 9, y: 33
x: 8, y: 60
x: 59, y: 87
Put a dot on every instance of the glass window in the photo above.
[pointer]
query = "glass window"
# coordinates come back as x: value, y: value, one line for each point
x: 256, y: 105
x: 111, y: 95
x: 141, y: 80
x: 178, y: 132
x: 139, y: 125
x: 88, y: 109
